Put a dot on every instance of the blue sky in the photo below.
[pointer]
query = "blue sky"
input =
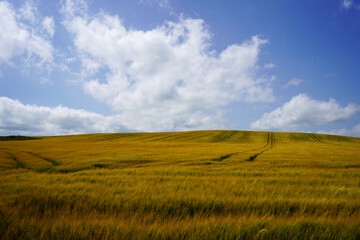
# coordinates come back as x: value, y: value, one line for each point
x: 72, y: 67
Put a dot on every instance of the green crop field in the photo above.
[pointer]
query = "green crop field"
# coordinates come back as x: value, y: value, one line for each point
x: 183, y: 185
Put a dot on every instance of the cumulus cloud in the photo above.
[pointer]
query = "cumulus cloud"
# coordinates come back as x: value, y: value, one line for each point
x: 18, y: 38
x: 269, y: 66
x: 161, y: 3
x: 302, y: 111
x: 71, y: 8
x: 293, y: 82
x: 165, y: 75
x: 28, y: 11
x: 45, y: 81
x: 347, y: 4
x: 17, y: 118
x: 49, y: 25
x: 354, y: 132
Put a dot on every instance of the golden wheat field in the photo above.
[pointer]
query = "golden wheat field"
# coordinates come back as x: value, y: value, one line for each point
x: 183, y: 185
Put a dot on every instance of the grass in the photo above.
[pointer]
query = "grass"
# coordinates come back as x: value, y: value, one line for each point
x: 183, y: 185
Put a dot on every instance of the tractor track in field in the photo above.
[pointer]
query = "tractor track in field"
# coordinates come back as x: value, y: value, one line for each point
x: 223, y: 157
x: 19, y: 164
x: 53, y: 162
x: 314, y: 137
x: 224, y: 136
x: 270, y: 142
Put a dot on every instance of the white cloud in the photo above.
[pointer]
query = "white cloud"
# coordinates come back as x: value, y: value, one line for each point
x: 163, y: 76
x: 269, y: 66
x: 70, y: 8
x: 49, y: 25
x: 302, y: 111
x: 354, y: 132
x: 19, y: 119
x: 17, y: 38
x: 161, y: 3
x: 347, y: 4
x: 28, y: 11
x: 45, y: 81
x: 293, y: 82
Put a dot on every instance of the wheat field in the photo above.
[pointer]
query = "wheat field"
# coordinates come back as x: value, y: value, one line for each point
x: 182, y: 185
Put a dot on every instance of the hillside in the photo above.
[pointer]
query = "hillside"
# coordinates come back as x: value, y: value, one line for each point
x: 182, y: 185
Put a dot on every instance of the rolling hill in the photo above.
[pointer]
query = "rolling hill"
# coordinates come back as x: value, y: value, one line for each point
x: 181, y: 185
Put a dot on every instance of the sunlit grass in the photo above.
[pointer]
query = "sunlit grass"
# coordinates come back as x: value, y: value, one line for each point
x: 185, y: 185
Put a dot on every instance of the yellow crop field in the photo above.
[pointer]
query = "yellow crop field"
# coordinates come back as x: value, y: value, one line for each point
x: 181, y: 185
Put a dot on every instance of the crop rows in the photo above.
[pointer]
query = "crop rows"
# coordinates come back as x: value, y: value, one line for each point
x: 184, y: 185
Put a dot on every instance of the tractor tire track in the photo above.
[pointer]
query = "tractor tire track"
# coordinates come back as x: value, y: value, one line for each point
x: 19, y: 164
x: 223, y: 136
x: 314, y: 137
x: 53, y: 162
x: 229, y: 135
x: 270, y: 142
x: 221, y: 158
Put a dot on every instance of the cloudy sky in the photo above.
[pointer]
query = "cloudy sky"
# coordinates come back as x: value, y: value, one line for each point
x: 87, y: 66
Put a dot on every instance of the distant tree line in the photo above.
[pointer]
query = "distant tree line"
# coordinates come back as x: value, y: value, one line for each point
x: 17, y: 138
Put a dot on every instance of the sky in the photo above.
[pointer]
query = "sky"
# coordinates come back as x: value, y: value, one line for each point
x: 86, y: 66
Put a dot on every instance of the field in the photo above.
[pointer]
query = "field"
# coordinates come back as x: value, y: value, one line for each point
x: 184, y: 185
